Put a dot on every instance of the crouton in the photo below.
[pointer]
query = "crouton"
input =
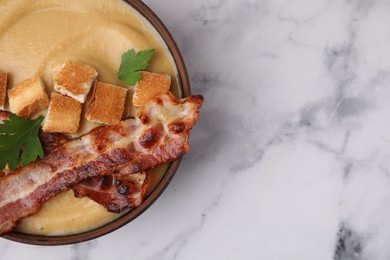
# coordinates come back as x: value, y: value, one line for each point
x: 150, y: 85
x: 3, y: 89
x: 63, y: 115
x: 28, y: 97
x: 75, y: 80
x: 107, y: 104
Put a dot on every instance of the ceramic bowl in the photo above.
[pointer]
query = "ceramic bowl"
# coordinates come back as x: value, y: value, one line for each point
x: 184, y: 90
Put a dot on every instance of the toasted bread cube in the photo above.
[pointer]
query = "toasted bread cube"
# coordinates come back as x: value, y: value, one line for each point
x: 75, y: 80
x: 28, y: 97
x: 108, y: 104
x: 150, y: 85
x: 63, y: 115
x: 3, y: 89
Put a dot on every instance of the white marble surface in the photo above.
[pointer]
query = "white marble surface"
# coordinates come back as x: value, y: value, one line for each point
x: 291, y: 156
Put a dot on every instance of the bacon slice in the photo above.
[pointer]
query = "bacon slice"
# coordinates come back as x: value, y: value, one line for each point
x: 159, y: 135
x: 113, y: 192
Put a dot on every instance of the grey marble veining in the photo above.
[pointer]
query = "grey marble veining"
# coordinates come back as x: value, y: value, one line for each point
x: 291, y: 155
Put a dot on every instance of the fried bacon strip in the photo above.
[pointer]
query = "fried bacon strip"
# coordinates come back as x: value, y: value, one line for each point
x: 158, y: 135
x: 114, y: 192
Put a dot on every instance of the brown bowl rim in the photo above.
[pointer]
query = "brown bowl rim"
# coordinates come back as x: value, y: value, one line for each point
x: 184, y: 84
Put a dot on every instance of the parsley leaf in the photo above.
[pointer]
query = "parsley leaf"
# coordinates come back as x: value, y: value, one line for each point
x: 132, y: 63
x: 17, y: 133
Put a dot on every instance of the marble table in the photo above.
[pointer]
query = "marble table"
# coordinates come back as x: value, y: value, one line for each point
x: 291, y: 156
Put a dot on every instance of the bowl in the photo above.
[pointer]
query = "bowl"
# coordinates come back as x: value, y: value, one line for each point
x: 184, y: 90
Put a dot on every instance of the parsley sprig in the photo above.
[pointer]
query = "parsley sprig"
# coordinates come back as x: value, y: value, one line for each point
x: 19, y: 141
x: 131, y: 65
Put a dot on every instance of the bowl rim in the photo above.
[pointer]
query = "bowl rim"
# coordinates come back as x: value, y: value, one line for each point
x: 184, y: 85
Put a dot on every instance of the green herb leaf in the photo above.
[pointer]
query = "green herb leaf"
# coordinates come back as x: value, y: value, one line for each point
x: 132, y: 63
x: 19, y: 141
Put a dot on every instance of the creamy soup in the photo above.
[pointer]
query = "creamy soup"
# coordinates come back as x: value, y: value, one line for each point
x: 36, y: 37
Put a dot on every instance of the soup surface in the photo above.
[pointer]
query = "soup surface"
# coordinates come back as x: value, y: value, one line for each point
x: 36, y: 37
